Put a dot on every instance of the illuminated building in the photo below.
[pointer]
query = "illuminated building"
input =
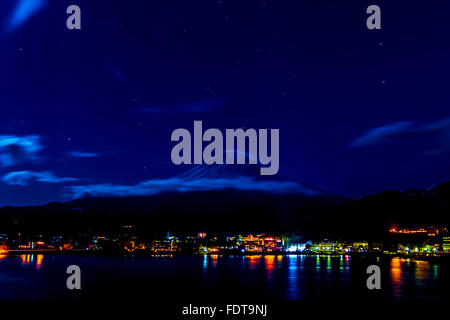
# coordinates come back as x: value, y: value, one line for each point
x: 26, y: 246
x: 328, y: 246
x: 430, y: 231
x: 262, y: 243
x: 297, y: 247
x: 271, y: 244
x: 3, y: 249
x: 130, y: 245
x: 67, y: 246
x: 38, y: 245
x: 141, y: 246
x: 164, y: 246
x: 360, y: 246
x: 446, y: 244
x: 408, y: 231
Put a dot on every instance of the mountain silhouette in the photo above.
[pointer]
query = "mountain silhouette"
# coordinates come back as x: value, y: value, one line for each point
x: 371, y: 216
x: 206, y: 197
x: 231, y: 209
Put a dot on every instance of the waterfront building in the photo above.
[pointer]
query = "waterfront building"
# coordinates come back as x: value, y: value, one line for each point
x: 201, y: 235
x: 3, y: 249
x: 328, y: 246
x: 360, y: 246
x: 262, y: 243
x: 446, y: 244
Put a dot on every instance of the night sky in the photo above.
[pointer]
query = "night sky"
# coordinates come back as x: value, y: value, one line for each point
x: 359, y: 111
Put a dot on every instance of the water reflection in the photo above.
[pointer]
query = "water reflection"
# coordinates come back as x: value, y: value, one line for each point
x: 270, y: 266
x: 39, y: 259
x: 270, y: 262
x: 411, y: 278
x: 28, y: 259
x: 253, y: 261
x: 396, y: 276
x: 214, y: 260
x: 421, y: 271
x: 435, y: 272
x: 293, y: 277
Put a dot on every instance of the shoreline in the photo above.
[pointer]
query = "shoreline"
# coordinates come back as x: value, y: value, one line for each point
x: 226, y: 254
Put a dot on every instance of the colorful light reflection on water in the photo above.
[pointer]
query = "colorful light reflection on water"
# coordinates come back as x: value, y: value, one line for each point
x: 290, y: 277
x: 29, y: 259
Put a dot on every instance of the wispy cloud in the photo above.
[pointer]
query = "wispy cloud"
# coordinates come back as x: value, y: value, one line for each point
x: 383, y: 134
x: 15, y: 149
x: 82, y: 154
x: 23, y: 10
x: 22, y: 178
x: 118, y: 74
x: 156, y: 186
x: 394, y: 131
x: 199, y: 106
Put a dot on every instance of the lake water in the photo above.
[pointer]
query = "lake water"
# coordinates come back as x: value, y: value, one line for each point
x: 291, y: 277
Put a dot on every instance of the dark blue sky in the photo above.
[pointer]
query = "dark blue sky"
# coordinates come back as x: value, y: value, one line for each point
x: 359, y: 111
